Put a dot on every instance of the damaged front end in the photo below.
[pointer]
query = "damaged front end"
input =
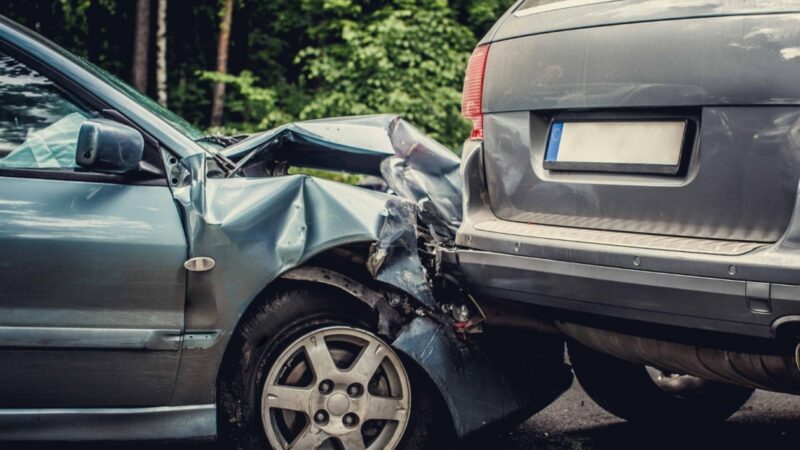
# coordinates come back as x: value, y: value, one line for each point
x: 243, y: 209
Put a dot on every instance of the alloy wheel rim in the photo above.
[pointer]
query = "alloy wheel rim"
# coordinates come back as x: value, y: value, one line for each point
x: 336, y: 388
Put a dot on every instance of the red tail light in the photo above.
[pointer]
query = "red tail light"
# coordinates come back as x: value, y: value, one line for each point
x: 471, y: 97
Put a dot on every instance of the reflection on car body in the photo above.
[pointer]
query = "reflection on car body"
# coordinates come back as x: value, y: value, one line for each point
x: 194, y: 288
x: 637, y: 189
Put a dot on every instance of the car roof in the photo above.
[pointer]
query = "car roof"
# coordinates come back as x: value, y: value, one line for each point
x: 546, y: 16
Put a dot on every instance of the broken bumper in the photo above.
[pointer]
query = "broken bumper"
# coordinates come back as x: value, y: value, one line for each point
x: 488, y: 379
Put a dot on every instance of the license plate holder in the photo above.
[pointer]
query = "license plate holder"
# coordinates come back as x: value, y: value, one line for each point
x: 616, y: 146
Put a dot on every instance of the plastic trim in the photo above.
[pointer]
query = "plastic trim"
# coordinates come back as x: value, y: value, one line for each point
x: 109, y: 424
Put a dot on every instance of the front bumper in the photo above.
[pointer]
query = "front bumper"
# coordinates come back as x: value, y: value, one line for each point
x: 500, y: 377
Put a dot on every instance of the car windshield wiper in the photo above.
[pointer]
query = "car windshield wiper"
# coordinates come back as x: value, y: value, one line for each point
x: 223, y: 141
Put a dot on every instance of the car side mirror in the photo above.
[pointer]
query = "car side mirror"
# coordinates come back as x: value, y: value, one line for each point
x: 109, y: 147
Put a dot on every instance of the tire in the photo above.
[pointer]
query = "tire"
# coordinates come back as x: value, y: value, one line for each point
x: 272, y: 349
x: 632, y: 392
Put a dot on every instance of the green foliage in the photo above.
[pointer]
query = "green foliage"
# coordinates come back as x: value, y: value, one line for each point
x: 75, y: 13
x: 256, y: 105
x: 405, y: 58
x: 480, y: 15
x: 291, y: 59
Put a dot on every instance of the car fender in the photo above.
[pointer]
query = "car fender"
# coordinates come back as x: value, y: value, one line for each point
x: 487, y: 379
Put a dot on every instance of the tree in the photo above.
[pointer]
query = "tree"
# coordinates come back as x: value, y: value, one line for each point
x: 408, y: 58
x: 355, y: 56
x: 141, y: 45
x: 223, y: 44
x: 161, y: 53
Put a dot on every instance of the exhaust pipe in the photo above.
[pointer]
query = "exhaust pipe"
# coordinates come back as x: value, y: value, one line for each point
x: 771, y: 372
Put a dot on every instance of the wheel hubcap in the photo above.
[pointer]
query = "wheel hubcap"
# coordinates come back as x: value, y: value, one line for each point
x: 336, y: 388
x: 338, y: 404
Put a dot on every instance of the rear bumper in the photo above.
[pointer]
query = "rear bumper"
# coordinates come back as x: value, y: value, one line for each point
x: 710, y: 304
x: 750, y: 293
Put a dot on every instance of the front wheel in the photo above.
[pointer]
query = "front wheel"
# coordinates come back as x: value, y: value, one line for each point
x: 336, y: 385
x: 645, y: 395
x: 307, y: 372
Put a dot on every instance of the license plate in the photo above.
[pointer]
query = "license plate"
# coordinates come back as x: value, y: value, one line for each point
x: 616, y: 146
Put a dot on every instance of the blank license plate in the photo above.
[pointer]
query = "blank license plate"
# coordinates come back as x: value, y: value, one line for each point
x: 616, y: 146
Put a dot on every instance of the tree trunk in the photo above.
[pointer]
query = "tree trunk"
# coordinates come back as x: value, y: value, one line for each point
x: 141, y: 45
x: 222, y: 62
x: 161, y: 53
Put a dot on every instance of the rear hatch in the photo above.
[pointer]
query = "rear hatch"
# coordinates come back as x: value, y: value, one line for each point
x: 677, y: 118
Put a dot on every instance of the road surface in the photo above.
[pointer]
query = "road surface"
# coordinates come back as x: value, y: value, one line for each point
x: 769, y: 421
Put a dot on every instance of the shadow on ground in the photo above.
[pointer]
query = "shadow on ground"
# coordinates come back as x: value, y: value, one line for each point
x: 625, y: 437
x: 574, y: 422
x: 768, y: 421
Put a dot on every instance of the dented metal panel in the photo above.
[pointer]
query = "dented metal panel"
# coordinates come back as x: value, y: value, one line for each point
x: 426, y: 172
x: 246, y: 222
x: 486, y: 379
x: 415, y: 166
x: 355, y: 144
x: 389, y: 319
x: 257, y: 226
x: 257, y: 223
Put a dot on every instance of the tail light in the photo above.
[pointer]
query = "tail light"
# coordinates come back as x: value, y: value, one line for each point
x: 471, y: 97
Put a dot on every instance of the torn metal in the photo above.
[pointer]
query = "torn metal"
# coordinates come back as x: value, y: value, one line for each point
x: 258, y: 223
x: 389, y: 319
x: 422, y: 173
x: 414, y: 166
x: 488, y: 378
x: 259, y: 228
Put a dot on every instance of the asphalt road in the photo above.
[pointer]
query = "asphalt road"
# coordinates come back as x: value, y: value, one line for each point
x: 574, y: 422
x: 768, y: 421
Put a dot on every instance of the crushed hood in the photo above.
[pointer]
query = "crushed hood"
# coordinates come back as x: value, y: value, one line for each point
x: 414, y: 166
x: 257, y: 225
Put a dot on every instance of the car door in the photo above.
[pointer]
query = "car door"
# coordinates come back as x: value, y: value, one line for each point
x: 92, y: 282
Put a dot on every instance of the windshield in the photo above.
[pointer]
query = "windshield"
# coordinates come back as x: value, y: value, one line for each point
x: 143, y: 100
x: 168, y: 116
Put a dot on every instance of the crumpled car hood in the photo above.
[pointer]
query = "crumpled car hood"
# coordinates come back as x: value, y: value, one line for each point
x: 258, y: 226
x: 414, y: 166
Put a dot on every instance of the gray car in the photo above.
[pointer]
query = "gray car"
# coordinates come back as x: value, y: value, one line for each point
x: 632, y: 185
x: 156, y: 283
